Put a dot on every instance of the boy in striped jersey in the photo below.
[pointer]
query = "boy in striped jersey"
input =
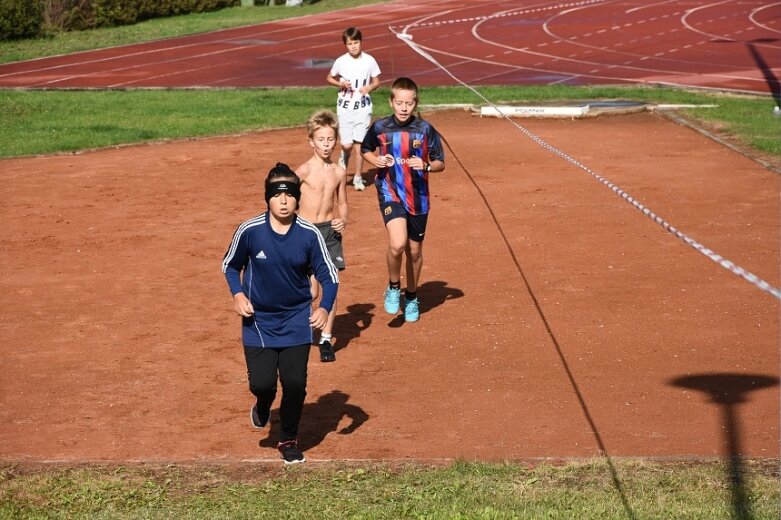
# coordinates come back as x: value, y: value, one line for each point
x: 405, y: 149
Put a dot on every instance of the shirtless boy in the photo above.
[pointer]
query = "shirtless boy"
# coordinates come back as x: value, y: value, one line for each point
x: 324, y: 203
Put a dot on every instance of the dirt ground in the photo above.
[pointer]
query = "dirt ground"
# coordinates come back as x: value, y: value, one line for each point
x: 557, y: 320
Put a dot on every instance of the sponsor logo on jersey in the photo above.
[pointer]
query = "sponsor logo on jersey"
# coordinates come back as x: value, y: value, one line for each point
x: 261, y: 255
x: 398, y: 160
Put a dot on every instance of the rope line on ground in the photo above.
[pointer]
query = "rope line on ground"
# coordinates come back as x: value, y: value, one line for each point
x: 709, y: 253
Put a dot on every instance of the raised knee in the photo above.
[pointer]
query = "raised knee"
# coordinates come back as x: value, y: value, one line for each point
x: 397, y: 249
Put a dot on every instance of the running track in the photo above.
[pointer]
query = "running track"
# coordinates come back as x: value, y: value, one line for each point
x: 725, y: 45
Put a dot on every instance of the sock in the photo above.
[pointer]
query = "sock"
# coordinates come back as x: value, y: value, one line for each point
x: 394, y: 285
x: 325, y: 337
x: 410, y: 295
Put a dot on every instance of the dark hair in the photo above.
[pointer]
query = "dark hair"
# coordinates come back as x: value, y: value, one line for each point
x: 282, y: 171
x: 404, y: 84
x: 351, y: 33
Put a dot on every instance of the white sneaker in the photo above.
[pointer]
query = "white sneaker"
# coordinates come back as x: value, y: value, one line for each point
x: 358, y: 184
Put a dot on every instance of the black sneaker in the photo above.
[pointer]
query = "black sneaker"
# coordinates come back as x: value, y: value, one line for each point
x: 327, y: 352
x: 259, y: 421
x: 290, y: 452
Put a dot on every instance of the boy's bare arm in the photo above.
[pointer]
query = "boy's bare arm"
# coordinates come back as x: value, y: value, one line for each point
x: 331, y: 80
x: 370, y: 157
x: 302, y: 171
x: 436, y: 166
x: 371, y: 87
x: 304, y: 208
x: 341, y: 204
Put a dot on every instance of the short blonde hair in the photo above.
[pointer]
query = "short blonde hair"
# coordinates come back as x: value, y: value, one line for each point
x: 323, y: 118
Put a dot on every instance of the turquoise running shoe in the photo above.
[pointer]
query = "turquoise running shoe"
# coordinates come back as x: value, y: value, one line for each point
x: 411, y: 310
x: 392, y: 299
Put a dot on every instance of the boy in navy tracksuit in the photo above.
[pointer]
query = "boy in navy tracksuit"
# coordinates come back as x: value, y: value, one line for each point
x: 267, y: 268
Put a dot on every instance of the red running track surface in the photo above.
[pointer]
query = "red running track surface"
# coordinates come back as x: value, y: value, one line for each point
x: 726, y: 45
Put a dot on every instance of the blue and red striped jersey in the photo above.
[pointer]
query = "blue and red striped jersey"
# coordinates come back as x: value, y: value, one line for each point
x: 399, y: 182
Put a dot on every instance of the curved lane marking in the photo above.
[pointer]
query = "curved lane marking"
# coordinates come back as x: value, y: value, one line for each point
x: 752, y: 17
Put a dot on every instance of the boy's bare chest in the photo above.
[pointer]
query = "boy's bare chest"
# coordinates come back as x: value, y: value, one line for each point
x: 322, y: 181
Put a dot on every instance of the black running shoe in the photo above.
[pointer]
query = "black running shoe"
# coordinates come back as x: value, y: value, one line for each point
x: 327, y: 352
x: 259, y: 420
x: 290, y: 452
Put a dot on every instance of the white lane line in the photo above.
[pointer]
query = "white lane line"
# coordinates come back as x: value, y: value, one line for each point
x: 262, y: 32
x: 753, y: 17
x: 539, y: 67
x: 660, y: 56
x: 686, y: 24
x: 635, y: 9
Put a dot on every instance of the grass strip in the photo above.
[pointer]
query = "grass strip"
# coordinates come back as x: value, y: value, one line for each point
x: 42, y: 122
x: 583, y: 490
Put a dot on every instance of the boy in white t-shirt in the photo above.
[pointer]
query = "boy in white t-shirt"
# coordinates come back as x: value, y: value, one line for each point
x: 356, y: 74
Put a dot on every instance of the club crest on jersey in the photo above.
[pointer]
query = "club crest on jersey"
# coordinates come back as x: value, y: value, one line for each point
x: 416, y: 144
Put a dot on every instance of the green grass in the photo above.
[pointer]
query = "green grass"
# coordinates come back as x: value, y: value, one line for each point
x: 748, y: 119
x: 41, y: 122
x: 44, y: 122
x: 582, y: 490
x: 158, y: 28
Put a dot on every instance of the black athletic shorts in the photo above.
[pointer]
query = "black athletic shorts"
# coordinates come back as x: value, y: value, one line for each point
x: 416, y: 224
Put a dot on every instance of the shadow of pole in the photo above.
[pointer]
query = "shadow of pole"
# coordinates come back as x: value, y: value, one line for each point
x: 617, y: 483
x: 727, y: 391
x: 767, y: 72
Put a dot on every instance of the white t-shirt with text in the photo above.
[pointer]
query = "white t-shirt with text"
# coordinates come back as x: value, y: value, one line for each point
x: 359, y: 72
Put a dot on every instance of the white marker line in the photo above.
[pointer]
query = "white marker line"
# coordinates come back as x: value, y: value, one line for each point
x: 753, y: 19
x: 635, y: 9
x: 644, y: 70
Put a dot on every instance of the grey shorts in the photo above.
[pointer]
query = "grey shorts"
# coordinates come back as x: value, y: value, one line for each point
x: 333, y: 241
